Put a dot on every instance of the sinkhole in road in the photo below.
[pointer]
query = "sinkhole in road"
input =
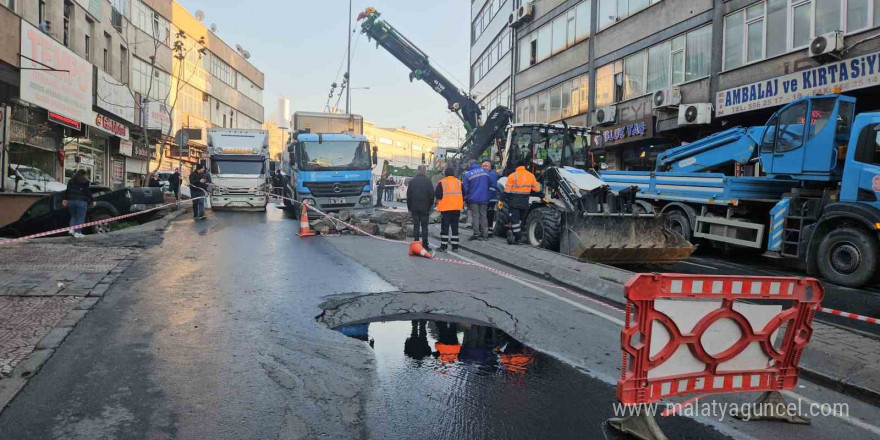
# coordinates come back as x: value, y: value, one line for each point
x: 449, y: 379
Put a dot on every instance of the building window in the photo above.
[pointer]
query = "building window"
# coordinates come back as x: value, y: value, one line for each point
x: 68, y: 13
x: 634, y: 71
x: 41, y: 16
x: 88, y: 48
x: 481, y: 20
x: 149, y: 21
x: 612, y: 11
x: 123, y: 63
x: 149, y: 81
x: 559, y: 102
x: 774, y: 27
x: 11, y: 5
x: 566, y: 30
x: 108, y: 62
x: 219, y: 69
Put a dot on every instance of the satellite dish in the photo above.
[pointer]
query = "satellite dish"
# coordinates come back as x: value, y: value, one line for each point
x: 213, y: 27
x: 246, y: 55
x: 238, y: 48
x: 200, y: 15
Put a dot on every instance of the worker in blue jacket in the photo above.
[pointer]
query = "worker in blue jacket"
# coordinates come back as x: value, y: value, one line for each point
x: 475, y: 186
x: 493, y: 194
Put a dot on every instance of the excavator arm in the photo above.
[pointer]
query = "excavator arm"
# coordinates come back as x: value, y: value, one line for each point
x: 479, y: 136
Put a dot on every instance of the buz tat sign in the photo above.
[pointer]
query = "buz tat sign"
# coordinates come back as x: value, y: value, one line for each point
x: 633, y: 131
x: 855, y: 73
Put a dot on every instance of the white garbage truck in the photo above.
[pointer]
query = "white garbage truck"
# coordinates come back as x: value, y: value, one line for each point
x: 238, y: 163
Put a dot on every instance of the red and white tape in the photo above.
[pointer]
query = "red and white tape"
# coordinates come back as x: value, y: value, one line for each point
x: 850, y: 315
x: 87, y: 224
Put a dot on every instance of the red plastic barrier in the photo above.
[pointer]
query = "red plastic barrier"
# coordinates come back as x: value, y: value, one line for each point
x: 644, y: 377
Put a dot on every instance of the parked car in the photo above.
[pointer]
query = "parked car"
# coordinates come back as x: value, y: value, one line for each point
x: 49, y: 213
x: 31, y: 179
x: 400, y: 188
x: 166, y: 186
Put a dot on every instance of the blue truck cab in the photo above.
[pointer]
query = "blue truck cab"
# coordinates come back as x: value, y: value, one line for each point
x: 330, y: 171
x: 815, y: 200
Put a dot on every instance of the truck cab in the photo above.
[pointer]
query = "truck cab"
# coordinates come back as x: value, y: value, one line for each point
x: 330, y: 171
x: 238, y: 163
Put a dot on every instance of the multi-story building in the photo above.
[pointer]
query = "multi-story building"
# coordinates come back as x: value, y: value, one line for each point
x: 100, y: 84
x: 650, y: 74
x: 491, y: 55
x: 399, y: 146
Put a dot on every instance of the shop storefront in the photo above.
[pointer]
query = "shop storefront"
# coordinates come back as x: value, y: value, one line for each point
x: 90, y: 153
x: 632, y: 146
x: 32, y: 148
x: 137, y: 161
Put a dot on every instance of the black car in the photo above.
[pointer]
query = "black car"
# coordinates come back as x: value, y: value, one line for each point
x: 49, y: 213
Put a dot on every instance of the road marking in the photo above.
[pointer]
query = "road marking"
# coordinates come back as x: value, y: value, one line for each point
x: 848, y: 419
x: 700, y: 265
x: 550, y: 294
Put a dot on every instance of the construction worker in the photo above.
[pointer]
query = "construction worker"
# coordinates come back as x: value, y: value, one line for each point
x: 450, y: 203
x: 493, y: 194
x: 519, y: 185
x: 475, y: 185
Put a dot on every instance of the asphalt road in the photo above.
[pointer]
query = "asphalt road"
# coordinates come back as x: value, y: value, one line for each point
x: 224, y: 332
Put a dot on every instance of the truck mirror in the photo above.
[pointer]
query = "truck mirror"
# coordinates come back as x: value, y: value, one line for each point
x: 375, y: 155
x: 290, y: 148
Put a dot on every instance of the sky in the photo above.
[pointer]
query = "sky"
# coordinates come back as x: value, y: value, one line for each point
x: 300, y: 44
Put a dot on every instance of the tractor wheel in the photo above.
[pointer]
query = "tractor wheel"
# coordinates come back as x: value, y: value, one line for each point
x: 501, y: 220
x: 680, y: 224
x: 544, y: 226
x: 847, y: 257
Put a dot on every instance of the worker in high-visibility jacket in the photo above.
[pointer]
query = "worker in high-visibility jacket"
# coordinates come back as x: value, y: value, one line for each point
x: 519, y: 186
x: 450, y: 202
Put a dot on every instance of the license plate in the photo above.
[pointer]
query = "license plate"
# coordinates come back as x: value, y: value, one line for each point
x: 337, y: 200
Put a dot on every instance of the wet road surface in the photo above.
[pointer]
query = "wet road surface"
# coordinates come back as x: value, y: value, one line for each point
x: 214, y: 334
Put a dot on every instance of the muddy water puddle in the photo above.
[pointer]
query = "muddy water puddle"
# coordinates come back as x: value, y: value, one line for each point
x: 439, y: 379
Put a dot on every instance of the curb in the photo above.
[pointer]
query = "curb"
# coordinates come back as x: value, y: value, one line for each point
x: 837, y: 384
x: 44, y: 349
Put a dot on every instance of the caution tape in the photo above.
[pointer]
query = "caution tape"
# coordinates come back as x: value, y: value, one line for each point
x: 93, y: 223
x: 850, y: 315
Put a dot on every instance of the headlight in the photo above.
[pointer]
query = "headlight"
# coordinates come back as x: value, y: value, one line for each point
x: 310, y: 202
x: 366, y: 200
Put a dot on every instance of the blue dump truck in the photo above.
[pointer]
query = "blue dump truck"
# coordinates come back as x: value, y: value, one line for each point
x: 328, y: 163
x: 812, y: 195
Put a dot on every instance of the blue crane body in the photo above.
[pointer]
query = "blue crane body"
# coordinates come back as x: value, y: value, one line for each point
x: 816, y: 202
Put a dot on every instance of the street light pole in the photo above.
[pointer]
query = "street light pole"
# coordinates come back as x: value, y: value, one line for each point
x: 348, y: 69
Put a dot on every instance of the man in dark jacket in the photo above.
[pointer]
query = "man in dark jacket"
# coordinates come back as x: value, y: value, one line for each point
x: 154, y: 181
x: 198, y: 181
x: 77, y: 199
x: 419, y: 201
x: 493, y: 193
x: 475, y: 186
x: 174, y: 183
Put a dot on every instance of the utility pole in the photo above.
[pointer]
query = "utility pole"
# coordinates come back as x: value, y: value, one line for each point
x: 348, y: 69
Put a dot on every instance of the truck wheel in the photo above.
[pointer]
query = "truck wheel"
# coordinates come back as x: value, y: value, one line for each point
x: 103, y: 228
x: 543, y: 228
x: 678, y: 222
x: 847, y: 257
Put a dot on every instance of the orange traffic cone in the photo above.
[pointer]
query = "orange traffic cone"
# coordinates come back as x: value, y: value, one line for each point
x: 304, y: 229
x: 416, y: 249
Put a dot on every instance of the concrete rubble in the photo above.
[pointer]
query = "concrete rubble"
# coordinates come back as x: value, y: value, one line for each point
x: 388, y: 222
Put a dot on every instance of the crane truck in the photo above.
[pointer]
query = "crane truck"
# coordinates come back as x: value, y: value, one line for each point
x: 815, y: 202
x: 584, y: 219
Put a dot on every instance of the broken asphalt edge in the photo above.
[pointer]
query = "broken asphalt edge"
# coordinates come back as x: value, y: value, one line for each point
x: 612, y: 292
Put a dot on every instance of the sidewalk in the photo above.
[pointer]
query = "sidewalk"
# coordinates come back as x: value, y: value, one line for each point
x: 48, y: 285
x: 837, y: 358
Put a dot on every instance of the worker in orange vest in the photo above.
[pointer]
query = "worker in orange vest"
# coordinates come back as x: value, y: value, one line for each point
x: 450, y: 203
x: 519, y: 186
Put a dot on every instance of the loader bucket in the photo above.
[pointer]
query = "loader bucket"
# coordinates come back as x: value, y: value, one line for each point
x: 622, y: 239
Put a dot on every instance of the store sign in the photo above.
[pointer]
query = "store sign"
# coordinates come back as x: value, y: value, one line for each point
x: 67, y: 90
x: 83, y: 160
x: 142, y: 151
x: 65, y: 121
x: 156, y: 116
x: 633, y: 131
x: 110, y: 126
x: 114, y: 97
x: 125, y: 147
x: 851, y: 74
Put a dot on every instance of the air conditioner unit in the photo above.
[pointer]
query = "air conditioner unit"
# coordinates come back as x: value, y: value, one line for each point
x: 525, y: 12
x: 666, y: 98
x: 606, y: 115
x: 695, y: 114
x: 513, y: 19
x: 827, y: 45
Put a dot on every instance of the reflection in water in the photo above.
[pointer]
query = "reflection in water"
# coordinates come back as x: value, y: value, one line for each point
x: 454, y: 380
